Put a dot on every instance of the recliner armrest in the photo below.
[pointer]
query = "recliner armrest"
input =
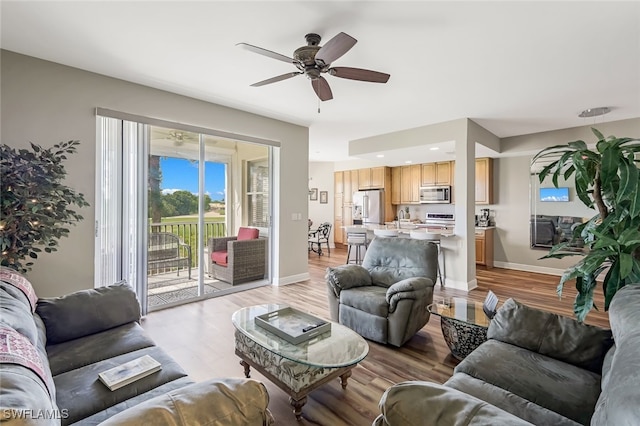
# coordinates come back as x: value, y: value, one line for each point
x: 409, y: 288
x: 347, y: 276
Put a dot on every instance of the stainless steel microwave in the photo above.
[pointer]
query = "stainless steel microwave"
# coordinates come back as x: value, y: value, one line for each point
x: 440, y: 194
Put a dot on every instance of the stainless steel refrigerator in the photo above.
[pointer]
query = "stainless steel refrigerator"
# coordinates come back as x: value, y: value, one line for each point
x: 368, y: 207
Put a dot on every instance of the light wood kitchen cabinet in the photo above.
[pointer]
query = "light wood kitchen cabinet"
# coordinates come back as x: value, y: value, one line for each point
x: 338, y: 231
x: 353, y: 175
x: 443, y: 173
x: 484, y: 181
x: 396, y: 185
x: 428, y: 174
x: 338, y: 183
x: 484, y: 247
x: 374, y: 177
x: 411, y: 179
x: 347, y: 185
x: 439, y: 173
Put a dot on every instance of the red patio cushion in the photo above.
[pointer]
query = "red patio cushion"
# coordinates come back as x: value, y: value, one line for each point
x: 219, y: 257
x: 248, y: 233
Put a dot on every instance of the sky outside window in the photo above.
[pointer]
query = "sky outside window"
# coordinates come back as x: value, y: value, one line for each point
x: 181, y: 174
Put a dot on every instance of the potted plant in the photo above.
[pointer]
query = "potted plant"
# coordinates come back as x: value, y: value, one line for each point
x: 606, y: 179
x: 36, y: 205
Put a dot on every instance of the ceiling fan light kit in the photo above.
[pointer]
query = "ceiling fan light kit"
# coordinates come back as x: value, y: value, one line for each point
x: 313, y: 60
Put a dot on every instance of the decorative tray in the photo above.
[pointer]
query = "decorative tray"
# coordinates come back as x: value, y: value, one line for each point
x: 292, y: 325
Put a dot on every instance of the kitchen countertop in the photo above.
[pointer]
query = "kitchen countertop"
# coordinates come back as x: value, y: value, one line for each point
x: 406, y: 229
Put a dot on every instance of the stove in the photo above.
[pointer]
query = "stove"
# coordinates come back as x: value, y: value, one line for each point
x: 439, y: 221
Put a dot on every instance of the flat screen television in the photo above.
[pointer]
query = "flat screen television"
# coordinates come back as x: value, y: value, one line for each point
x: 554, y: 194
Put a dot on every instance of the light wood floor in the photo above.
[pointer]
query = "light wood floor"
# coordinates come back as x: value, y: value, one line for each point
x: 200, y: 337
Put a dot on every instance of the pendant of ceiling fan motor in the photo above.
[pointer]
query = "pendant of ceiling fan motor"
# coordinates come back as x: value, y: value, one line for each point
x: 305, y: 56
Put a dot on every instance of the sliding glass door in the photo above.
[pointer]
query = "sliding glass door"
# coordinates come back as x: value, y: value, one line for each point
x: 164, y: 194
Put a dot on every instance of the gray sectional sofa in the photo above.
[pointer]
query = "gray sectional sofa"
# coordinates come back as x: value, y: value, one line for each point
x: 536, y: 368
x: 51, y: 355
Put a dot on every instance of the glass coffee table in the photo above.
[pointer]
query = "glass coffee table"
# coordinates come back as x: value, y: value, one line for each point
x: 296, y: 369
x: 464, y: 324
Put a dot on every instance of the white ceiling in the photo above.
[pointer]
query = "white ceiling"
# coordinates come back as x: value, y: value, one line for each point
x: 513, y: 67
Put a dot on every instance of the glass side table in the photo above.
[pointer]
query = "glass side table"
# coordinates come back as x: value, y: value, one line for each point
x: 464, y: 324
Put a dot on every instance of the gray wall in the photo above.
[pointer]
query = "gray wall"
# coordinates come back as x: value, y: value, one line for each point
x: 45, y: 103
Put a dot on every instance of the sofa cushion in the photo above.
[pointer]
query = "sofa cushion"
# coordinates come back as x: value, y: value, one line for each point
x: 424, y: 403
x: 87, y: 312
x: 220, y: 257
x: 390, y: 260
x: 372, y: 299
x: 564, y: 388
x: 83, y: 394
x: 237, y: 402
x: 550, y: 334
x: 507, y: 401
x: 87, y: 350
x: 248, y: 233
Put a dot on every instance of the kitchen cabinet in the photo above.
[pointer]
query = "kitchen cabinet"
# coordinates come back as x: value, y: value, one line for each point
x: 484, y: 247
x: 439, y: 173
x: 374, y: 177
x: 484, y: 181
x: 396, y: 185
x: 411, y: 181
x: 338, y: 183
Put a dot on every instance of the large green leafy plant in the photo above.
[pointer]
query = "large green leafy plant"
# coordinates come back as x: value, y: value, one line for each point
x: 36, y: 205
x: 607, y: 180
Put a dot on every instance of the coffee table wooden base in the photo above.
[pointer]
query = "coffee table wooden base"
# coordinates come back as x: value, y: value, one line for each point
x: 297, y: 398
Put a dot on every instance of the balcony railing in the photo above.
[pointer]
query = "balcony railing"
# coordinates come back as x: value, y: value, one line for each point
x: 188, y: 233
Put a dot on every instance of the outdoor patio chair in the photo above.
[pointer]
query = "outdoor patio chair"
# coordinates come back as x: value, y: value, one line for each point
x: 238, y: 259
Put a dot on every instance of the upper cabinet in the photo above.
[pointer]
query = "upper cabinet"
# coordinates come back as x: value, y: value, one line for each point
x: 440, y: 173
x: 410, y: 184
x: 484, y: 181
x: 338, y: 181
x: 396, y: 185
x: 373, y: 178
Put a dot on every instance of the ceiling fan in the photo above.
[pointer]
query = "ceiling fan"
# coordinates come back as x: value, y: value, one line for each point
x: 314, y: 60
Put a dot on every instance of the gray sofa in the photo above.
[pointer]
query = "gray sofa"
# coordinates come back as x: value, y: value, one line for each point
x: 535, y: 368
x: 51, y: 354
x: 385, y: 299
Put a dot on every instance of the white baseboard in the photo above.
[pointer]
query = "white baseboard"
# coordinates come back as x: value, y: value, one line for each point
x: 292, y: 279
x: 529, y: 268
x: 461, y: 285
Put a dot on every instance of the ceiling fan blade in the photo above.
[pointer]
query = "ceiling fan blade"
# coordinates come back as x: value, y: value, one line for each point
x: 359, y: 74
x: 265, y: 52
x: 334, y: 48
x: 275, y: 79
x: 321, y: 86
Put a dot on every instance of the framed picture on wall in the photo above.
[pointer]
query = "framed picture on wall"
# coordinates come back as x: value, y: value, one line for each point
x: 324, y: 197
x: 313, y: 194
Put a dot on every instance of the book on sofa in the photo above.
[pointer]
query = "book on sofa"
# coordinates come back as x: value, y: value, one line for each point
x: 129, y: 372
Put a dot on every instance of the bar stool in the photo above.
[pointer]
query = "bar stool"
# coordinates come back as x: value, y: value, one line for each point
x: 433, y: 238
x: 387, y: 233
x: 357, y: 240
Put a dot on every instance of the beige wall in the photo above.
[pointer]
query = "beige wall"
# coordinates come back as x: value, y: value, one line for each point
x: 321, y: 177
x: 46, y: 103
x: 512, y: 186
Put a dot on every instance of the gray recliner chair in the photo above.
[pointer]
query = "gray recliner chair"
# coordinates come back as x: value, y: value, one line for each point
x: 385, y: 299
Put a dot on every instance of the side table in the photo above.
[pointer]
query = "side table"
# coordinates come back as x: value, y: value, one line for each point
x: 464, y: 324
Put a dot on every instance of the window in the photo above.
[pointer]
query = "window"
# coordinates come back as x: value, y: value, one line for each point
x: 258, y: 193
